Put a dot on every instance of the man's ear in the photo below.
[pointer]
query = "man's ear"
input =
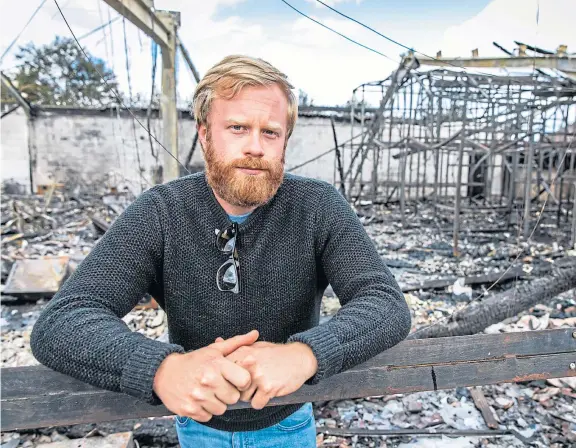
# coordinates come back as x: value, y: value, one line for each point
x: 202, y: 133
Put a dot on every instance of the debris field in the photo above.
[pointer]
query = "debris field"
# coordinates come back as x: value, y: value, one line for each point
x: 435, y: 283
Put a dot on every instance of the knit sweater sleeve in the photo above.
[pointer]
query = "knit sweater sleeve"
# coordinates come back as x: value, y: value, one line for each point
x: 81, y: 332
x: 374, y: 315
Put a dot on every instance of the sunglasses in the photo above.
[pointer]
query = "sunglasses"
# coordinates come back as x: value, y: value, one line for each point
x: 227, y: 277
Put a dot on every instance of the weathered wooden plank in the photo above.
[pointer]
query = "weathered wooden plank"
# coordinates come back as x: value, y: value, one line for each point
x: 365, y: 432
x: 37, y: 397
x: 507, y: 370
x: 19, y: 382
x: 139, y: 12
x: 100, y: 406
x: 475, y: 347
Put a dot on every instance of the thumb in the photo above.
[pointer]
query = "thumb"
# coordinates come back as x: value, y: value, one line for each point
x: 230, y: 345
x: 219, y: 339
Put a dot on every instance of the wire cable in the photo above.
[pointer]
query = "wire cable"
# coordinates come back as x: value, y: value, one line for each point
x: 394, y: 41
x: 340, y: 34
x: 116, y: 93
x: 103, y: 32
x: 319, y: 156
x: 23, y: 29
x: 89, y: 33
x: 127, y: 58
x: 84, y: 36
x: 371, y: 29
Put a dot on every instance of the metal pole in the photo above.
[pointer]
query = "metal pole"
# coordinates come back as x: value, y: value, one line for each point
x: 403, y: 186
x: 528, y: 184
x: 573, y: 239
x: 352, y: 122
x: 437, y: 167
x: 459, y: 178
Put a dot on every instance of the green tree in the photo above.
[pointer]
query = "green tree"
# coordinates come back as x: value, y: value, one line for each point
x: 59, y: 74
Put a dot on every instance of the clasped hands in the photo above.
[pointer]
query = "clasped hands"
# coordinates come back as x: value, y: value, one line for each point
x: 202, y: 383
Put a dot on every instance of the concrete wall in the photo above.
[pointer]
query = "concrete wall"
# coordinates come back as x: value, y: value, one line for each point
x: 94, y: 150
x: 98, y: 150
x: 14, y: 147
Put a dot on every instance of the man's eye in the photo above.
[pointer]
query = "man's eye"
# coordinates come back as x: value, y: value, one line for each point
x: 237, y: 127
x: 271, y: 133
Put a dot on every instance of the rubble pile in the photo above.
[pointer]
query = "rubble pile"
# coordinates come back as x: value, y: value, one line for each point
x: 535, y: 413
x: 543, y: 412
x: 53, y: 224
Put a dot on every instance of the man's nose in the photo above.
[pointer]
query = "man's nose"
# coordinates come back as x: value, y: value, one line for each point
x: 253, y: 146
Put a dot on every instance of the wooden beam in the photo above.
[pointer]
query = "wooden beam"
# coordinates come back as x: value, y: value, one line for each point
x: 565, y: 64
x: 168, y: 108
x: 483, y: 406
x: 162, y: 27
x: 188, y: 59
x: 7, y: 84
x: 139, y: 12
x: 34, y: 397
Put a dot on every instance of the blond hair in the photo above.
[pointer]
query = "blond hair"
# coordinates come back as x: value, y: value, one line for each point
x: 230, y: 75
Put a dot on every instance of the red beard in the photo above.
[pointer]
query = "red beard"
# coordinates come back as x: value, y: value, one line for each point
x: 240, y: 189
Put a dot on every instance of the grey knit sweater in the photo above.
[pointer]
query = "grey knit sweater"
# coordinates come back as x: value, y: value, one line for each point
x: 290, y: 249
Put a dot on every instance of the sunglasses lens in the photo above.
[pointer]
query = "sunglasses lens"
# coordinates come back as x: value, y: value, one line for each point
x: 226, y: 241
x: 229, y: 246
x: 230, y: 275
x: 227, y: 277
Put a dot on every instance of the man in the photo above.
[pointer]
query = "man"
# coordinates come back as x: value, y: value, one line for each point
x: 239, y: 257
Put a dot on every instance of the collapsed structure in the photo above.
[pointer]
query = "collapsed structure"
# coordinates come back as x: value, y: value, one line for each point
x: 463, y: 142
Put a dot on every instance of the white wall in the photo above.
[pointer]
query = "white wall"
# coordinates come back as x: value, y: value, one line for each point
x: 97, y: 151
x: 103, y: 150
x: 14, y: 147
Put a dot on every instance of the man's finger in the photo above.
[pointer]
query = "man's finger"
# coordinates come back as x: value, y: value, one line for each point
x: 247, y: 395
x: 230, y: 345
x: 227, y: 393
x: 236, y: 375
x: 201, y: 416
x: 260, y: 399
x: 219, y: 339
x: 214, y: 406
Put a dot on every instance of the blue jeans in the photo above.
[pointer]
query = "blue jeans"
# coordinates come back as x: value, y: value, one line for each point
x: 295, y: 431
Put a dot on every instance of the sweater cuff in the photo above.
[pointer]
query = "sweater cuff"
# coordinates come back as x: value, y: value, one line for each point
x: 140, y: 369
x: 326, y: 349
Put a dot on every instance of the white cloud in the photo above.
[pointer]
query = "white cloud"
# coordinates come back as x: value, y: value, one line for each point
x: 198, y: 29
x: 505, y: 21
x: 318, y: 61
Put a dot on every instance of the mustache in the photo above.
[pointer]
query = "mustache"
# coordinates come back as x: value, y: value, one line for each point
x: 250, y: 163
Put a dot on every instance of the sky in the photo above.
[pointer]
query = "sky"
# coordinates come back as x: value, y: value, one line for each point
x: 324, y: 65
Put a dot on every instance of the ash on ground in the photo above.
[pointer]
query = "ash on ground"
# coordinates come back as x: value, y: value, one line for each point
x: 538, y: 413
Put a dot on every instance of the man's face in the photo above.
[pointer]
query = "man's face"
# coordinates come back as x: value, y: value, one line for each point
x: 244, y: 145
